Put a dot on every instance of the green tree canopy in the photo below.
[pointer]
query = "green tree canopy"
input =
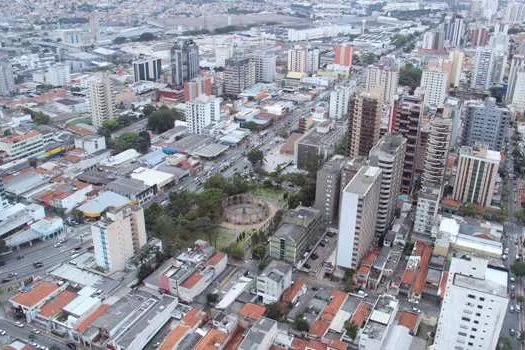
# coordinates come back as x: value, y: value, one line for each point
x: 163, y: 119
x: 518, y: 268
x: 119, y: 40
x: 255, y: 156
x: 409, y: 75
x: 301, y: 324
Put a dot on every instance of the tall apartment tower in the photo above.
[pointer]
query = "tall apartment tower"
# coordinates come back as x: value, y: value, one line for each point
x: 101, y: 98
x: 328, y: 188
x: 485, y: 124
x: 453, y: 30
x: 343, y: 55
x: 239, y: 74
x: 118, y: 236
x: 436, y: 155
x: 474, y: 305
x: 358, y: 216
x: 364, y: 123
x: 202, y: 112
x: 434, y: 84
x: 482, y: 71
x: 382, y: 77
x: 433, y: 40
x: 184, y: 62
x: 147, y: 69
x: 516, y: 65
x: 476, y: 175
x: 7, y: 82
x: 339, y: 99
x: 388, y: 154
x: 406, y: 121
x: 518, y: 98
x: 265, y: 67
x: 303, y: 59
x: 4, y: 203
x: 457, y: 57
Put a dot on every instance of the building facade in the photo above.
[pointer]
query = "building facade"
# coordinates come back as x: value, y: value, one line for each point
x: 303, y: 59
x: 101, y: 98
x: 239, y: 75
x: 517, y: 64
x: 202, y: 112
x: 343, y: 55
x: 265, y: 67
x: 434, y: 84
x: 21, y: 145
x: 364, y: 123
x: 184, y: 56
x: 147, y: 69
x: 485, y: 124
x: 339, y: 98
x: 482, y: 69
x: 385, y: 78
x: 328, y: 188
x: 273, y: 281
x: 7, y: 81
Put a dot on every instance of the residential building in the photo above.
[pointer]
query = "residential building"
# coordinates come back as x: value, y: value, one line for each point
x: 300, y: 229
x: 239, y: 75
x: 184, y: 56
x: 433, y: 40
x: 434, y: 84
x: 479, y: 36
x: 101, y: 98
x: 499, y: 67
x: 457, y: 57
x: 482, y: 69
x: 273, y: 281
x: 91, y: 144
x: 476, y: 175
x: 436, y: 155
x: 339, y: 98
x: 518, y: 98
x: 4, y: 203
x: 132, y: 189
x: 260, y: 336
x: 388, y: 154
x: 358, y: 216
x: 382, y: 77
x: 118, y: 236
x: 265, y: 67
x: 317, y: 145
x: 21, y: 145
x: 303, y: 59
x: 7, y: 81
x: 406, y: 121
x: 474, y: 305
x: 364, y: 122
x: 328, y: 187
x: 515, y: 13
x: 147, y: 69
x: 201, y: 278
x: 485, y: 123
x: 378, y: 325
x: 56, y: 75
x: 202, y: 112
x: 454, y: 30
x: 517, y: 64
x: 198, y: 87
x: 343, y: 55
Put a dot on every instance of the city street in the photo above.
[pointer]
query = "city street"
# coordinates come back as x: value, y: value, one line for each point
x: 14, y: 332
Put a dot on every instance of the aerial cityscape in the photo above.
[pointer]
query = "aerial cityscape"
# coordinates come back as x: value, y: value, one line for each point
x: 262, y: 175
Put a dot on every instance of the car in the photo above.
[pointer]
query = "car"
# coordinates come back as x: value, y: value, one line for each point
x: 57, y: 245
x: 12, y: 274
x: 2, y: 263
x: 511, y: 308
x: 2, y: 332
x: 517, y: 308
x: 415, y: 309
x: 512, y: 287
x: 19, y: 324
x: 38, y: 264
x: 322, y: 244
x: 330, y: 234
x: 307, y: 266
x: 512, y: 331
x: 314, y: 256
x: 512, y: 279
x: 35, y: 331
x: 72, y: 346
x: 512, y: 295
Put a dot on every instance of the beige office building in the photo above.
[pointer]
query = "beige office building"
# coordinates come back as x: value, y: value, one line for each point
x: 476, y: 175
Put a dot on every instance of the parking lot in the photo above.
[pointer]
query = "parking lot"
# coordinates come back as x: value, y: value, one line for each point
x: 316, y: 263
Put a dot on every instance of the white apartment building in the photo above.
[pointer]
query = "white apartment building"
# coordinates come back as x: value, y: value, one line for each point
x: 56, y: 75
x: 434, y: 84
x: 273, y: 281
x: 516, y: 65
x: 101, y: 99
x: 518, y: 98
x: 265, y: 67
x: 374, y: 334
x: 482, y: 71
x: 303, y: 59
x: 118, y: 236
x: 7, y: 82
x: 358, y: 216
x: 21, y: 145
x: 339, y: 98
x: 383, y: 78
x: 457, y: 57
x: 202, y: 112
x: 474, y: 306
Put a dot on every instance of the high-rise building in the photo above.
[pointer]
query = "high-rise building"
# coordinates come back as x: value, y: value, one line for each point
x: 4, y: 203
x: 388, y: 154
x: 434, y: 84
x: 474, y: 305
x: 364, y: 122
x: 436, y: 155
x: 498, y: 68
x: 184, y: 62
x: 21, y: 145
x: 433, y: 40
x: 382, y: 77
x: 328, y: 187
x: 265, y: 67
x: 239, y: 74
x: 147, y: 69
x: 303, y: 59
x: 317, y: 145
x: 202, y: 112
x: 476, y: 175
x: 94, y: 27
x: 515, y: 13
x: 482, y: 71
x: 349, y: 168
x: 406, y: 121
x: 343, y: 55
x: 456, y: 56
x: 357, y: 216
x: 118, y: 236
x: 518, y: 98
x: 517, y: 63
x: 56, y: 75
x: 7, y: 82
x: 453, y: 30
x: 339, y: 98
x: 200, y: 86
x: 485, y: 124
x: 479, y: 36
x: 101, y: 99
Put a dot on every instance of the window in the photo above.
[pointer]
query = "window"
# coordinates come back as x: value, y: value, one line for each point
x: 472, y: 337
x: 480, y: 306
x: 481, y: 298
x: 465, y: 319
x: 474, y: 329
x: 463, y: 334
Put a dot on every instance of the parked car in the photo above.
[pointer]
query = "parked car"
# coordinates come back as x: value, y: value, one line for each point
x: 19, y: 324
x: 38, y: 264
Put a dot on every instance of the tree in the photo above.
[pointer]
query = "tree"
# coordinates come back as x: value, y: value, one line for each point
x: 209, y: 203
x: 518, y: 268
x: 163, y: 226
x: 163, y: 119
x: 301, y: 324
x: 237, y: 251
x: 368, y: 58
x: 212, y: 298
x: 147, y: 36
x: 77, y: 215
x: 148, y: 109
x: 275, y: 311
x: 341, y: 146
x: 119, y: 40
x: 520, y: 299
x: 181, y: 203
x: 351, y: 329
x: 255, y: 156
x: 505, y: 343
x: 144, y: 271
x: 467, y: 210
x: 410, y: 76
x: 142, y: 142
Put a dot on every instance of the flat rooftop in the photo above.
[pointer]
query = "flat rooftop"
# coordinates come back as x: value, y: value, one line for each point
x: 363, y: 180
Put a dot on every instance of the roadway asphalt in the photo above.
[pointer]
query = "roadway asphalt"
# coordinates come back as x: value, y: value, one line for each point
x: 14, y: 332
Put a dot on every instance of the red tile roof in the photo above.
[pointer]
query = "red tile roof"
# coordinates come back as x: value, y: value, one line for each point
x: 213, y: 337
x: 192, y: 280
x: 290, y: 294
x: 337, y: 345
x: 15, y: 138
x: 84, y: 325
x: 319, y: 327
x: 421, y: 276
x: 194, y: 317
x: 173, y: 338
x: 361, y: 314
x: 443, y: 283
x: 215, y: 259
x: 53, y: 307
x: 409, y: 320
x: 37, y: 294
x: 252, y: 311
x: 236, y: 339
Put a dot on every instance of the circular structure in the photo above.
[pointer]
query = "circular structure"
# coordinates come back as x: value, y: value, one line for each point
x: 245, y: 209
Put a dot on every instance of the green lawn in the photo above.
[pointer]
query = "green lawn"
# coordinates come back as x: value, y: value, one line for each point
x: 86, y: 120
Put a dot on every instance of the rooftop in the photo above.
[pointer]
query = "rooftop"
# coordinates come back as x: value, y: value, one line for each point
x: 257, y: 334
x: 35, y: 294
x: 126, y: 186
x: 252, y: 311
x: 103, y: 201
x: 480, y: 152
x: 363, y: 180
x: 210, y: 341
x: 54, y: 306
x: 16, y: 138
